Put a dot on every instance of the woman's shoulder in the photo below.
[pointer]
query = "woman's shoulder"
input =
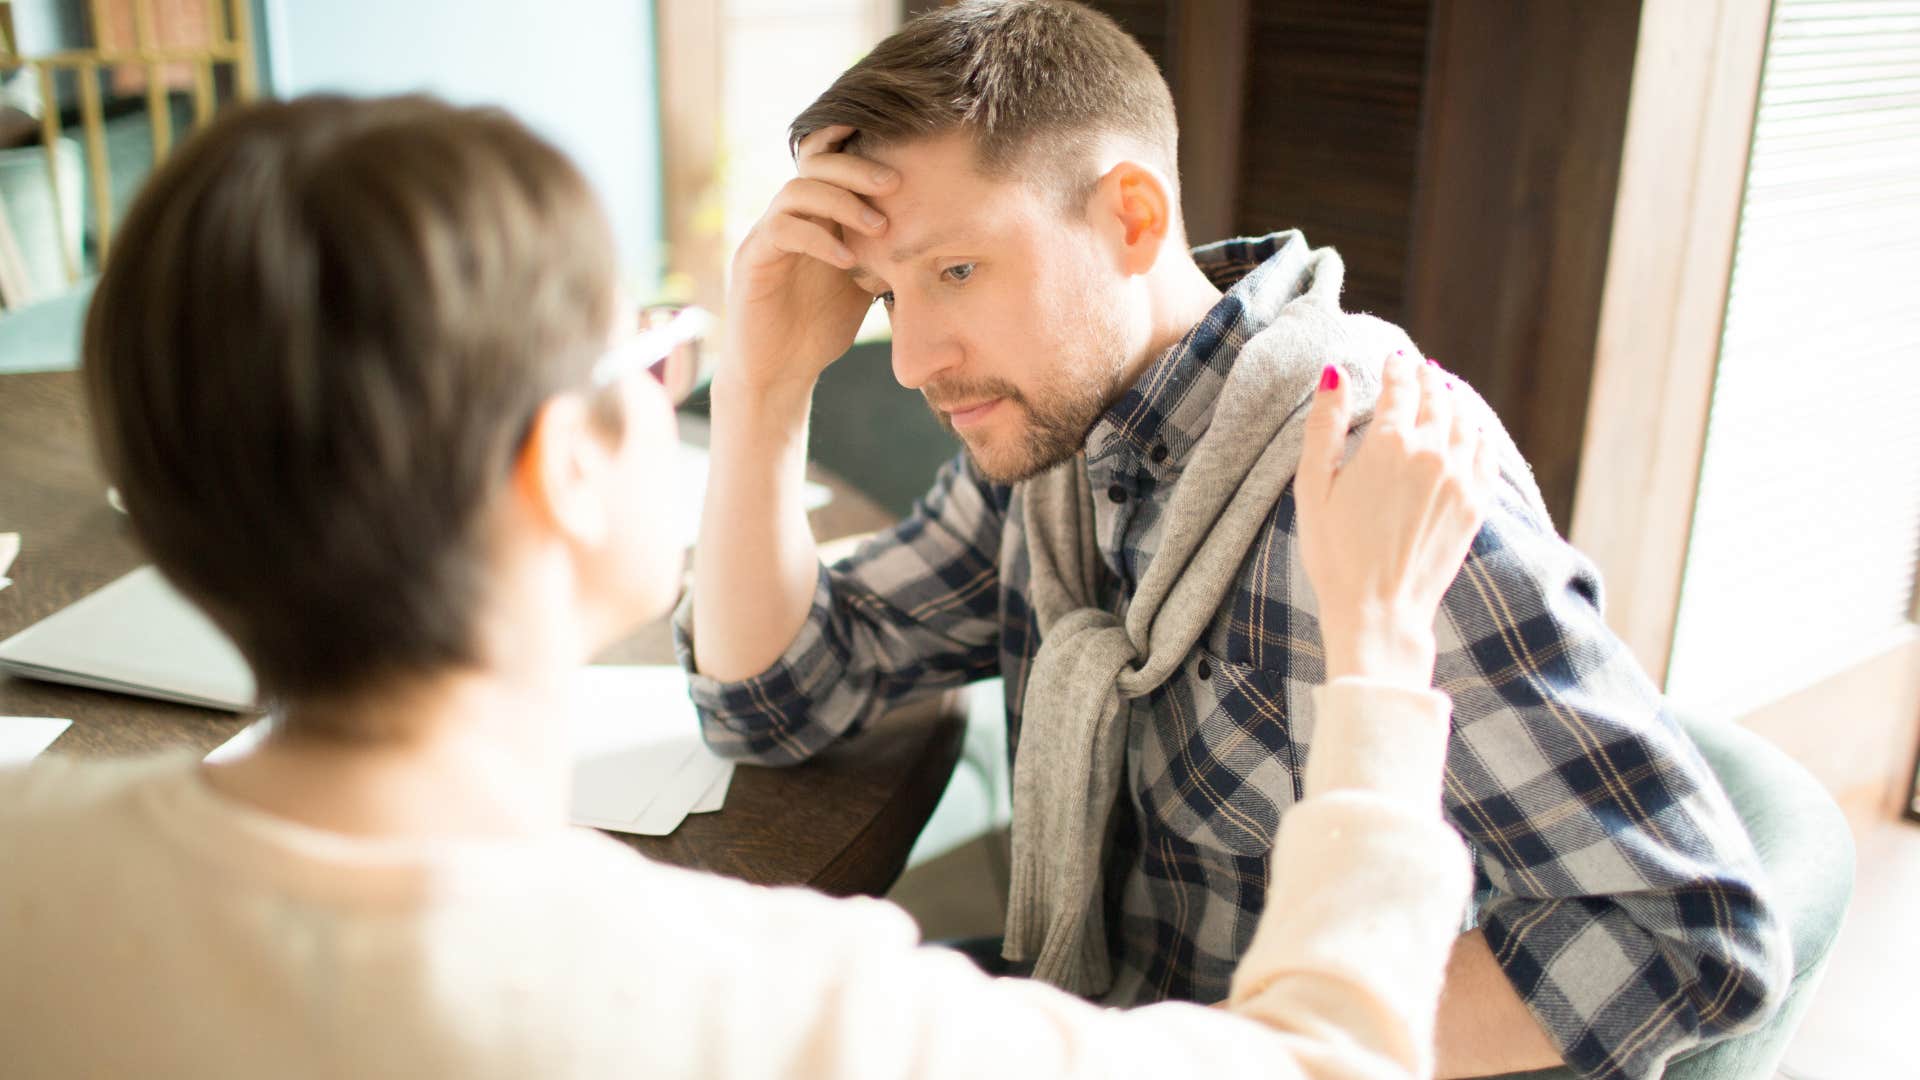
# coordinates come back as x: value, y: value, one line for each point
x: 54, y: 784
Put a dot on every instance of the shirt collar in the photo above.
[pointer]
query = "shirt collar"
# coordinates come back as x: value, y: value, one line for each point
x: 1172, y: 402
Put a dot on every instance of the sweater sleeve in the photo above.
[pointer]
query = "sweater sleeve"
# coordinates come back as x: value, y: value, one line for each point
x: 1369, y: 883
x: 1341, y: 982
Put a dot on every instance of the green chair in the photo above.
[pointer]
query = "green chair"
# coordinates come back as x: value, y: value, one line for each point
x: 1806, y: 851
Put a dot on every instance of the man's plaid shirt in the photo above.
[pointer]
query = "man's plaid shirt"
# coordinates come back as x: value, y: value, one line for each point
x: 1615, y: 886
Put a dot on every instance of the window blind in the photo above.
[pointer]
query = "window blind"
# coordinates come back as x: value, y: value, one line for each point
x: 1807, y: 526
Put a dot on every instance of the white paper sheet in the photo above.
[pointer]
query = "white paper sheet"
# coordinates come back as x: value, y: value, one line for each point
x: 9, y: 550
x: 716, y: 795
x: 242, y: 742
x: 679, y: 795
x: 634, y: 732
x: 23, y: 737
x: 638, y: 763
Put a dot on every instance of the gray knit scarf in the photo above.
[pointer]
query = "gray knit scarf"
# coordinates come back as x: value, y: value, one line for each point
x: 1070, y: 765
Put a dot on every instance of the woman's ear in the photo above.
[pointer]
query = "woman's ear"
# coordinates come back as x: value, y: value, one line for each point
x: 1133, y: 203
x: 558, y: 475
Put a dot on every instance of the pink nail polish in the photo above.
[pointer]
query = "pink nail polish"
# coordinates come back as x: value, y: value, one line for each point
x: 1329, y: 377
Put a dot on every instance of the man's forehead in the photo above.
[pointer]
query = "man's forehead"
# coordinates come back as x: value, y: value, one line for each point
x: 923, y: 219
x: 916, y: 243
x: 948, y: 153
x: 940, y: 174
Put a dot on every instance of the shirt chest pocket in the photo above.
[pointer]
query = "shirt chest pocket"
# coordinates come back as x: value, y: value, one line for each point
x: 1213, y: 756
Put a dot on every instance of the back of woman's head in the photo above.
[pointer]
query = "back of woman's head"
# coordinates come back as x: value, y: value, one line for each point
x: 321, y: 334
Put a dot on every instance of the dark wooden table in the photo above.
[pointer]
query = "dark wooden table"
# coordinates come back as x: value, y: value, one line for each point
x: 842, y: 823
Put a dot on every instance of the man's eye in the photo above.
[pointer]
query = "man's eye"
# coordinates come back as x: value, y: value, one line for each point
x: 959, y: 272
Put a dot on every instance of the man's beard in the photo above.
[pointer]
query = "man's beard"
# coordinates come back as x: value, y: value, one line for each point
x: 1057, y: 417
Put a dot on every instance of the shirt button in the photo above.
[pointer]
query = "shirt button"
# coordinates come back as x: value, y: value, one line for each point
x: 1117, y: 493
x: 1205, y: 670
x: 1158, y: 454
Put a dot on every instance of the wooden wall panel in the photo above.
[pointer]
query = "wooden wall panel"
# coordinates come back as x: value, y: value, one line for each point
x: 1326, y: 135
x: 1147, y: 20
x: 1209, y: 83
x: 1331, y: 134
x: 1519, y: 166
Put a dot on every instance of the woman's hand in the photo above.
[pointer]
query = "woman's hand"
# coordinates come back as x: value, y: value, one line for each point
x: 1383, y: 534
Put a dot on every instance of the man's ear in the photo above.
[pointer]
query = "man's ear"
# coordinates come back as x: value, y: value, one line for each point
x: 557, y: 476
x: 1133, y: 203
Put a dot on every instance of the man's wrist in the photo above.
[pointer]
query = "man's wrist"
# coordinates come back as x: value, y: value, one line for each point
x: 781, y: 404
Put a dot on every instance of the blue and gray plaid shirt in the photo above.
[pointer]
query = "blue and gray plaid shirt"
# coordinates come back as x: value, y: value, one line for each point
x: 1615, y: 885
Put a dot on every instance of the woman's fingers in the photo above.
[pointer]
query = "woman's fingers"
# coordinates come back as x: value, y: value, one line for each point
x: 1399, y: 403
x: 1486, y: 467
x: 1461, y: 437
x: 1436, y: 402
x: 1326, y: 436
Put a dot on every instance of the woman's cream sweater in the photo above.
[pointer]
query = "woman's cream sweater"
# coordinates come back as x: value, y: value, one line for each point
x: 150, y: 927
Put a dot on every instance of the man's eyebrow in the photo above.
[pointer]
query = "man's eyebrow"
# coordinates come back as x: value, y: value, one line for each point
x: 904, y: 253
x: 910, y: 252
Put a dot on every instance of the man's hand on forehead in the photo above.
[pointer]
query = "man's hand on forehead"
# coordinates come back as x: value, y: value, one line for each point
x: 834, y: 138
x: 794, y: 306
x: 830, y: 194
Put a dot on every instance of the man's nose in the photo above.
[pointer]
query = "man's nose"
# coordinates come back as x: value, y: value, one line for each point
x: 922, y: 348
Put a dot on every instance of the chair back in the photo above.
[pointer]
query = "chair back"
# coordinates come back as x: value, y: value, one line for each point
x: 138, y: 47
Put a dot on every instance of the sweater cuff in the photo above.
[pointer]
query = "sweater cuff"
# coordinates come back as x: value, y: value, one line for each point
x: 1377, y: 737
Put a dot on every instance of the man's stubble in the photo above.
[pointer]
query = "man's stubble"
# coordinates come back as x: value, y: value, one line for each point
x: 1084, y: 382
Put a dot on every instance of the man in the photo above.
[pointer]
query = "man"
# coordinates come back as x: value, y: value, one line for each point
x: 1001, y: 177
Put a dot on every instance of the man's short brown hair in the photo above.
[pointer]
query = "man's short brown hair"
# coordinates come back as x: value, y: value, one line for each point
x: 311, y: 358
x: 1035, y: 82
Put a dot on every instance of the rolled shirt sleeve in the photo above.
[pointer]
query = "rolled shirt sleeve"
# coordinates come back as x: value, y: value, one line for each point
x: 1618, y: 890
x: 912, y: 612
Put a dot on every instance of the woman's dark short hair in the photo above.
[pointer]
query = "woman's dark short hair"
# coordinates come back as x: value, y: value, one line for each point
x: 321, y: 334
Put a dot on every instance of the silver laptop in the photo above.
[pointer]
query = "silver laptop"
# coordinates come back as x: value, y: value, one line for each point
x: 136, y: 636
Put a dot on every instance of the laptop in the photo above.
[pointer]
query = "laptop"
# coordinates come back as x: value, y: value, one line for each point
x: 137, y: 636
